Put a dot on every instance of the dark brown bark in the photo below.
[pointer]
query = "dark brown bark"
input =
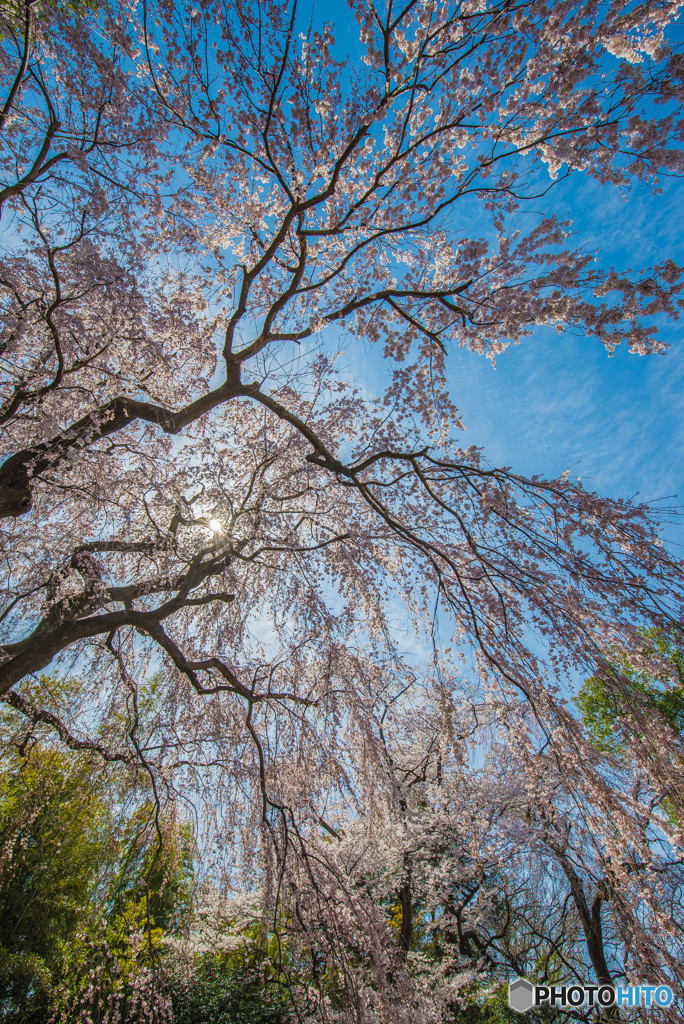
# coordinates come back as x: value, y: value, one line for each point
x: 37, y: 715
x: 18, y: 471
x: 590, y: 920
x: 406, y: 932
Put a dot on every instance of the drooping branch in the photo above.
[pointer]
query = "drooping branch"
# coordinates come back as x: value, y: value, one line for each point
x: 37, y: 715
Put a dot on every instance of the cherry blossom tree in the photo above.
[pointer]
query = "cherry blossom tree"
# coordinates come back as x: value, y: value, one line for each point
x: 208, y: 215
x: 500, y: 869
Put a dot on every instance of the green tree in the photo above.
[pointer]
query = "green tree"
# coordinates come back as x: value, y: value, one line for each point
x: 622, y: 705
x: 56, y: 844
x: 229, y: 988
x: 90, y: 877
x: 604, y: 700
x: 93, y: 879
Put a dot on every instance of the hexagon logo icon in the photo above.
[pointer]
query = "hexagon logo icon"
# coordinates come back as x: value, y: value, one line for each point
x: 520, y: 995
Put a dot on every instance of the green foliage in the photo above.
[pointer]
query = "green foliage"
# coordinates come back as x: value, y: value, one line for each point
x: 599, y: 711
x: 224, y: 989
x: 92, y: 881
x: 601, y: 706
x: 54, y: 847
x: 13, y: 12
x: 494, y: 1009
x: 83, y: 878
x: 159, y: 875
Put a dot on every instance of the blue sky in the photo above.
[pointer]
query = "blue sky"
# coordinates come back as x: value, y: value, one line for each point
x: 559, y: 402
x: 556, y: 401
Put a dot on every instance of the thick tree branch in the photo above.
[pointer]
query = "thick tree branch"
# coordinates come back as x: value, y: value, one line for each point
x: 37, y: 715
